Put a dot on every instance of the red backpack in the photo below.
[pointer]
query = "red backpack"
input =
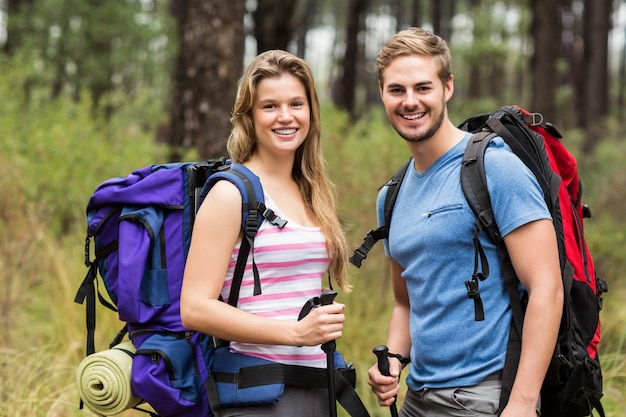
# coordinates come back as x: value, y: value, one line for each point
x: 573, y: 383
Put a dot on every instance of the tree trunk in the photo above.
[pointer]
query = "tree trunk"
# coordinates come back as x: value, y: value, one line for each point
x: 443, y: 11
x: 403, y: 19
x: 596, y: 35
x: 475, y: 65
x: 208, y: 66
x: 273, y: 24
x: 621, y: 100
x: 303, y: 24
x: 546, y: 31
x: 416, y: 13
x: 398, y: 13
x: 15, y: 31
x: 573, y: 76
x: 344, y: 91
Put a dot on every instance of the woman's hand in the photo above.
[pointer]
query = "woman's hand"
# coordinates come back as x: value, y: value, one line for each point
x: 322, y: 324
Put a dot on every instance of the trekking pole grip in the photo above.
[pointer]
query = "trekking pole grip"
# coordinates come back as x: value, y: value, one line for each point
x: 328, y: 297
x: 382, y: 354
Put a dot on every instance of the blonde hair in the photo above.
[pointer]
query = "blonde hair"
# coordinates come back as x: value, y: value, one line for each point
x: 415, y: 41
x: 309, y: 170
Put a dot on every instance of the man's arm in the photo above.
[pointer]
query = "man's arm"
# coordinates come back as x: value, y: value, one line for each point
x: 534, y: 255
x: 398, y: 340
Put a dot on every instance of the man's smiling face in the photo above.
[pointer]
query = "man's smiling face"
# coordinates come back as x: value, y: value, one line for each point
x: 414, y: 97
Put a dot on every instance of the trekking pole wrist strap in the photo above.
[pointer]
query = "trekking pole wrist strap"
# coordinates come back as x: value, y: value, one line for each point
x: 404, y: 361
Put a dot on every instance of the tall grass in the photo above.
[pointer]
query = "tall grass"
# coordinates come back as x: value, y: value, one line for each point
x: 54, y: 153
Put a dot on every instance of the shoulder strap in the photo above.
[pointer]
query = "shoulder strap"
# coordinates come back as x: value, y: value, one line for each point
x: 474, y: 185
x: 382, y: 232
x: 253, y: 212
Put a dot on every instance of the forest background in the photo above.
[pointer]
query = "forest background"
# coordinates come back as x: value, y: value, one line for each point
x: 92, y: 89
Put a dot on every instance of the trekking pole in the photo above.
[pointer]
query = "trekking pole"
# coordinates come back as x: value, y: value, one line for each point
x: 329, y: 347
x: 382, y: 353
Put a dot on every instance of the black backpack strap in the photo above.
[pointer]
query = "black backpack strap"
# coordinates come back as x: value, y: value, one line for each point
x: 300, y: 376
x: 381, y: 232
x: 474, y: 185
x: 252, y: 224
x: 240, y: 266
x: 514, y: 346
x: 87, y: 292
x: 254, y: 212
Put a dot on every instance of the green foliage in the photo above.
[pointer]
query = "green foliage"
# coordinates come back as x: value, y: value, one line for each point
x: 61, y: 149
x: 100, y: 47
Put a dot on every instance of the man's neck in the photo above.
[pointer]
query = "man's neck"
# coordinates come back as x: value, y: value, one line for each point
x: 427, y: 152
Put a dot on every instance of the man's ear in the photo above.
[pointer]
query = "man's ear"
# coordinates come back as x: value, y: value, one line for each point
x: 449, y: 88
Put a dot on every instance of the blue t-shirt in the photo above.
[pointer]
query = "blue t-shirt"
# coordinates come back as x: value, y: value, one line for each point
x: 430, y: 237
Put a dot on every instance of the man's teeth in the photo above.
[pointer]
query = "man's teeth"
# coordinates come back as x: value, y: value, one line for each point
x: 285, y: 131
x: 413, y: 116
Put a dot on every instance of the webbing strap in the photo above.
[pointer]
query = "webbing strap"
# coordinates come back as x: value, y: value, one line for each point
x: 373, y: 236
x: 249, y: 232
x: 240, y: 266
x: 257, y: 211
x: 300, y: 376
x: 369, y: 241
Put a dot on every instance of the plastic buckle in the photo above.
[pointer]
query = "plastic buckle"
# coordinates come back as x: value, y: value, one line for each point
x: 357, y: 258
x: 273, y: 218
x: 472, y: 289
x: 252, y: 223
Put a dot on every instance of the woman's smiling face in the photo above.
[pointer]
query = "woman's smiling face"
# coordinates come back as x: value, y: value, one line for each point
x: 281, y: 114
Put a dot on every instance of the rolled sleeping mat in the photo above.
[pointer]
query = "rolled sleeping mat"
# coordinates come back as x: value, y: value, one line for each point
x: 103, y: 380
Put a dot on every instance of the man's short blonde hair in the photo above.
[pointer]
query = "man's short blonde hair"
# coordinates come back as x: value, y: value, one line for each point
x: 415, y: 41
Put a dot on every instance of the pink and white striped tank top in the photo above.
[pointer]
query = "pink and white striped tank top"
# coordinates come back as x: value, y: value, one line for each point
x: 291, y: 262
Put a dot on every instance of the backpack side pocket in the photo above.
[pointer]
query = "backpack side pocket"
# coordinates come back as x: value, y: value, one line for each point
x: 230, y: 374
x: 169, y: 372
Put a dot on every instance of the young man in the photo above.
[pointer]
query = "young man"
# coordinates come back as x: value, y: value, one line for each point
x: 456, y: 361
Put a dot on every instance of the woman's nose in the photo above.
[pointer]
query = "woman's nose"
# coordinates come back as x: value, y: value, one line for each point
x: 284, y: 114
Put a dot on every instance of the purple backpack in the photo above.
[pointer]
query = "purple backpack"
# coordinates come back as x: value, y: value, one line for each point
x: 141, y: 228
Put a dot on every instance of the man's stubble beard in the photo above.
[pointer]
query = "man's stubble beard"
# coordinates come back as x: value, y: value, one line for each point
x: 429, y: 133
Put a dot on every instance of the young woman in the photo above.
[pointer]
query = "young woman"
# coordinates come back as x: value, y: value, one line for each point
x: 276, y: 134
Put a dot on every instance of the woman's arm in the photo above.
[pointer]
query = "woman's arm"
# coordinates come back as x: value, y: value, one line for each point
x: 216, y: 231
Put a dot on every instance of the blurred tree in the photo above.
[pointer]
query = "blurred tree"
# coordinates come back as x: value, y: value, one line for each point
x: 546, y: 28
x: 572, y: 69
x: 208, y: 66
x: 14, y: 30
x: 416, y: 13
x: 484, y: 49
x: 442, y: 13
x: 597, y: 24
x: 93, y: 46
x: 621, y: 80
x: 399, y: 10
x: 344, y: 90
x: 273, y: 24
x: 304, y: 18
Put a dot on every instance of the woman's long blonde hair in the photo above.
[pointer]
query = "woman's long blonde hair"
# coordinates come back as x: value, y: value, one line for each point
x: 309, y: 170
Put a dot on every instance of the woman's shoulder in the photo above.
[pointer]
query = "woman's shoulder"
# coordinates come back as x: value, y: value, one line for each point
x: 223, y: 198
